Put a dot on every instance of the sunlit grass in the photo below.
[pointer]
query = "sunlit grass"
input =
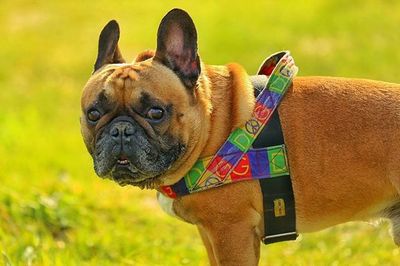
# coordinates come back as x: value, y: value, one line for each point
x: 55, y: 211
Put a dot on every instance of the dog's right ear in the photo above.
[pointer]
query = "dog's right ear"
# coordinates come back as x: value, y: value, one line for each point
x: 108, y: 52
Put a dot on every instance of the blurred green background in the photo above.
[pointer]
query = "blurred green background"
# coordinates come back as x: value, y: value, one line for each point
x: 55, y: 211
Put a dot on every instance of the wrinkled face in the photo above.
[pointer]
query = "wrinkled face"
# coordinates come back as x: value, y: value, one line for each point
x: 142, y: 121
x: 136, y: 127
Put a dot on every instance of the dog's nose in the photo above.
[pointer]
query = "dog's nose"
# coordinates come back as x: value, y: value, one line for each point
x: 122, y: 130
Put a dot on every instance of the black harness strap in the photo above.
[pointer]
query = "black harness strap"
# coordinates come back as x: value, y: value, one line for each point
x: 278, y: 197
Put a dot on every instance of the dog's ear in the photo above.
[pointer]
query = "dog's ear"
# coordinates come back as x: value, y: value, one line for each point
x: 177, y: 46
x: 108, y: 52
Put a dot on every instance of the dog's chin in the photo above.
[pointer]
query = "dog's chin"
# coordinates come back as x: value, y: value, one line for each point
x: 130, y: 175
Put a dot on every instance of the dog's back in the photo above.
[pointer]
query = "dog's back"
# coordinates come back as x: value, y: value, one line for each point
x: 343, y: 140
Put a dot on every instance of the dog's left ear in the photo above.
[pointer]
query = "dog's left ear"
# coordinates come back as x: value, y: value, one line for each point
x: 177, y: 46
x: 108, y: 46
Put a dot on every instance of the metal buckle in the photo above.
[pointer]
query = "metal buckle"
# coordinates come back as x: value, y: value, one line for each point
x: 279, y: 235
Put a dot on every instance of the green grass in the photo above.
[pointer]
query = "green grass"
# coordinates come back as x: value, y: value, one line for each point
x: 55, y: 211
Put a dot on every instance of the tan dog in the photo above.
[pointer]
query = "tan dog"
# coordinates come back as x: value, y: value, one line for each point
x: 146, y: 123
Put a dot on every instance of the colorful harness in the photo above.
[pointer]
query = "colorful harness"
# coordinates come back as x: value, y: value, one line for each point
x: 238, y: 159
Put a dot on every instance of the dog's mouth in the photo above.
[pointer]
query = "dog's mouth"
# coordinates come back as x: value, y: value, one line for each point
x: 122, y: 162
x: 125, y: 169
x: 126, y: 173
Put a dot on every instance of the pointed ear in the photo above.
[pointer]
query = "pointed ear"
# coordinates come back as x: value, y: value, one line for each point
x: 177, y: 46
x: 108, y: 52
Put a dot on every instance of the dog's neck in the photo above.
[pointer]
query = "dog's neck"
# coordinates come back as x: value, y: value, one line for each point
x: 232, y: 103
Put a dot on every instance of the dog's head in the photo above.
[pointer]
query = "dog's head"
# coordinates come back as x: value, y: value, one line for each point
x: 144, y: 120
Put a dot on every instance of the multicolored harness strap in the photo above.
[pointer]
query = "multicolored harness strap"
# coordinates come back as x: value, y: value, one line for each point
x: 236, y: 160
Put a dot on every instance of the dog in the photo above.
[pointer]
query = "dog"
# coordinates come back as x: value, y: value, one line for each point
x: 146, y: 124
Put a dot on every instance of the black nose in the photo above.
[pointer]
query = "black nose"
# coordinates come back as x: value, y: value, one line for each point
x: 122, y: 130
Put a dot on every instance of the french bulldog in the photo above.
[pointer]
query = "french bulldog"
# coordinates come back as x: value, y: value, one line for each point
x: 147, y: 122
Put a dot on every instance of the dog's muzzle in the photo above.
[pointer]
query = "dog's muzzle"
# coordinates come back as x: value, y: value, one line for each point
x: 115, y: 148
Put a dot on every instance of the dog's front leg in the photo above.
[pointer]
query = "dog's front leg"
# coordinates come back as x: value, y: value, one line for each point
x: 230, y: 221
x: 208, y: 246
x: 231, y: 244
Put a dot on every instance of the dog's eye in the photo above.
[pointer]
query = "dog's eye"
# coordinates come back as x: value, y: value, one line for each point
x: 93, y: 115
x: 155, y: 113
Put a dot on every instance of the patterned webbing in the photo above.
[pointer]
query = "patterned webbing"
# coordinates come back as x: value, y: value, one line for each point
x: 236, y: 160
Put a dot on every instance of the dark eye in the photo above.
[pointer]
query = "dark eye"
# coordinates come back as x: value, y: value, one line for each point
x: 155, y: 113
x: 93, y: 115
